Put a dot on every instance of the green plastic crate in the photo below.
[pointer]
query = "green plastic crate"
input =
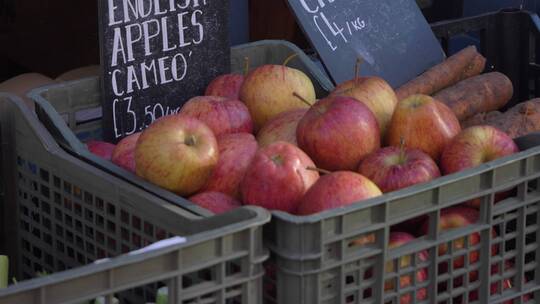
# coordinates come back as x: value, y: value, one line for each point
x: 59, y: 213
x: 61, y: 107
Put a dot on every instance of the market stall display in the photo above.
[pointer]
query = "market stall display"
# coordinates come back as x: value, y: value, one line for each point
x: 338, y: 236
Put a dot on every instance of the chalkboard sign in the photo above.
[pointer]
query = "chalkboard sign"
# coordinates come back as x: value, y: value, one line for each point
x: 155, y: 55
x: 392, y: 37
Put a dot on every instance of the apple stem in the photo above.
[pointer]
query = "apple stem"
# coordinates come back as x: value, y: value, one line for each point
x: 289, y: 59
x: 402, y: 149
x: 246, y: 66
x: 302, y: 99
x: 190, y: 141
x: 319, y: 170
x: 359, y: 62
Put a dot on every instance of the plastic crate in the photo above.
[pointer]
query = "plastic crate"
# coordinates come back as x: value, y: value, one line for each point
x: 61, y: 106
x: 59, y: 213
x: 315, y: 258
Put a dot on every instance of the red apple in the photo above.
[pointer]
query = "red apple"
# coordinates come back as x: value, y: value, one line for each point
x: 494, y: 289
x: 278, y: 177
x: 221, y: 115
x: 124, y: 153
x: 475, y: 146
x: 227, y: 86
x: 101, y: 148
x: 236, y: 151
x: 423, y: 123
x: 394, y: 168
x: 375, y: 93
x: 398, y: 239
x: 458, y: 217
x: 336, y: 190
x: 216, y: 202
x: 270, y: 90
x: 281, y: 128
x: 177, y: 153
x: 338, y: 132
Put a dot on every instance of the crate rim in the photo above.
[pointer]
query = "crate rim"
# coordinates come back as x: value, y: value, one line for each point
x: 261, y: 217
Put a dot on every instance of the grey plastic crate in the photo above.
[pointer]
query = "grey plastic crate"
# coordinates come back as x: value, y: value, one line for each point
x: 59, y: 213
x: 72, y: 111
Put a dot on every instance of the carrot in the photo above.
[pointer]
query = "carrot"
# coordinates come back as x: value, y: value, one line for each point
x: 483, y: 93
x: 454, y: 69
x: 520, y: 120
x: 476, y: 67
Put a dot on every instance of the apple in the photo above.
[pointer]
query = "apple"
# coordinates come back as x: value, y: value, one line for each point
x: 281, y: 128
x: 272, y: 89
x: 278, y: 177
x: 177, y: 153
x: 236, y: 151
x: 475, y: 146
x: 337, y: 189
x: 458, y: 217
x: 394, y: 168
x: 227, y: 86
x: 101, y: 148
x: 220, y: 114
x: 398, y: 239
x: 338, y: 132
x: 124, y: 153
x: 375, y: 93
x: 423, y: 123
x: 216, y: 202
x: 494, y: 289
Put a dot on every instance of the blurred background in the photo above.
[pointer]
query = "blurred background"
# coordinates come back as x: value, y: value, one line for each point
x: 51, y: 37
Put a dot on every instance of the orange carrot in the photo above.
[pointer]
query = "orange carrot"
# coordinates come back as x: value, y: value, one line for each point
x: 483, y: 93
x: 449, y: 72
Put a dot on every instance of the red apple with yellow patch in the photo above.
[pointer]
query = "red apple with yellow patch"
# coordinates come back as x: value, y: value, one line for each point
x: 398, y: 239
x: 281, y: 128
x: 458, y: 217
x: 375, y: 93
x: 216, y: 202
x: 278, y: 177
x: 101, y: 148
x: 475, y: 146
x: 124, y: 153
x: 394, y: 168
x: 338, y: 132
x: 227, y: 85
x: 177, y: 153
x: 273, y: 89
x: 423, y: 123
x: 223, y: 116
x: 337, y: 189
x: 236, y: 151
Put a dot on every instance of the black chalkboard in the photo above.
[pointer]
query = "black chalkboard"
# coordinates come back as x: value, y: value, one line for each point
x: 392, y: 37
x: 155, y: 55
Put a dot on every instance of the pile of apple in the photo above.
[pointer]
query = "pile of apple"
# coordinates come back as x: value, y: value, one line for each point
x: 264, y: 139
x: 308, y: 155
